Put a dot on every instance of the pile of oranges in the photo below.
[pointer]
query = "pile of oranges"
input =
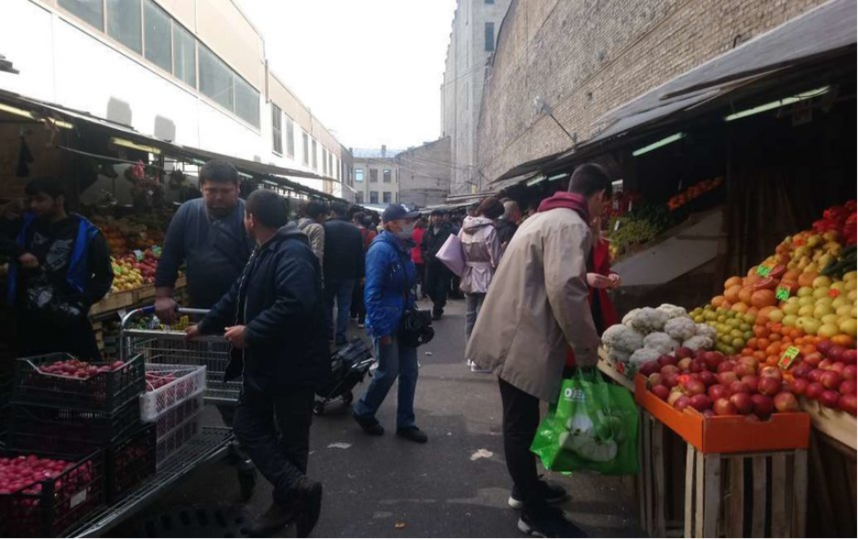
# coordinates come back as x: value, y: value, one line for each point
x: 772, y: 340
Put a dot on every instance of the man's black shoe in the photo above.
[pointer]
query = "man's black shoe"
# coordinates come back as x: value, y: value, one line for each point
x: 412, y: 434
x: 548, y: 522
x: 551, y: 493
x: 308, y: 498
x: 437, y: 314
x: 370, y: 426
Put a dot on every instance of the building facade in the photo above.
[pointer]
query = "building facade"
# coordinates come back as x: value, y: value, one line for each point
x: 584, y: 59
x: 376, y: 177
x: 425, y: 174
x: 193, y: 72
x: 472, y: 42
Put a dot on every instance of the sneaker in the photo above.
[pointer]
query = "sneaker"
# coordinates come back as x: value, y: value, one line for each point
x: 370, y: 426
x: 548, y: 522
x: 477, y: 369
x: 552, y: 493
x: 412, y: 434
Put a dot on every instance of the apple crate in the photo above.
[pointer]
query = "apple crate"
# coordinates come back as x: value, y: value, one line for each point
x: 178, y: 426
x: 51, y: 507
x: 105, y: 391
x: 167, y: 386
x: 129, y: 462
x: 60, y: 429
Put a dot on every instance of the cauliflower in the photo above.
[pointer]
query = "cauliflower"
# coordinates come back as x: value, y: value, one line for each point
x: 642, y: 356
x: 661, y: 342
x: 627, y: 320
x: 647, y: 320
x: 680, y: 328
x: 672, y: 311
x: 619, y: 356
x: 622, y: 338
x: 699, y: 342
x: 705, y: 330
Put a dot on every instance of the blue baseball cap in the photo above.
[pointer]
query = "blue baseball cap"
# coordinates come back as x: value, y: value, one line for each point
x: 398, y: 211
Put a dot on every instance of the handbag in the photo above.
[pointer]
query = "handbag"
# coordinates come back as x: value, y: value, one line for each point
x: 452, y: 255
x: 415, y: 326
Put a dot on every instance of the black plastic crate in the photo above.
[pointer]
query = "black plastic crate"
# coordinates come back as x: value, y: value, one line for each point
x: 51, y: 507
x: 129, y: 462
x: 103, y: 392
x: 64, y: 430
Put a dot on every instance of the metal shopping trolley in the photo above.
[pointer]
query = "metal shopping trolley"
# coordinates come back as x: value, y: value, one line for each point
x: 170, y: 346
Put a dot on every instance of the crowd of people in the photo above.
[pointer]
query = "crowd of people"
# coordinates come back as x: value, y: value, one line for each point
x: 282, y: 293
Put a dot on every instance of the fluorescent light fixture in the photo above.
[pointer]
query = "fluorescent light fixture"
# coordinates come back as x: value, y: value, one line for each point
x: 557, y: 177
x: 134, y: 146
x: 778, y: 104
x: 32, y: 116
x: 658, y: 144
x: 534, y: 181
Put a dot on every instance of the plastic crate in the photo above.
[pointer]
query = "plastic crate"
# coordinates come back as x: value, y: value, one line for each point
x: 129, y: 462
x: 104, y: 392
x: 70, y: 431
x: 178, y: 415
x: 183, y: 427
x: 190, y: 381
x: 51, y: 507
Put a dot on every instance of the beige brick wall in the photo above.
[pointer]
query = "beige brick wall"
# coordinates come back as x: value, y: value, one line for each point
x: 587, y: 57
x: 424, y: 173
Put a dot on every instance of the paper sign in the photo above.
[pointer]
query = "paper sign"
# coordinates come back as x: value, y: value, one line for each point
x: 138, y: 255
x: 617, y: 225
x: 788, y: 358
x: 77, y: 499
x: 763, y: 271
x: 782, y: 293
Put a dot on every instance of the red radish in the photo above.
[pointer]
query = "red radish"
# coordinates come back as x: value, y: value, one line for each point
x: 763, y: 405
x: 771, y: 372
x: 682, y: 403
x: 717, y: 391
x: 723, y: 407
x: 742, y: 402
x: 831, y: 380
x: 848, y: 388
x: 769, y: 386
x: 786, y: 402
x: 814, y: 390
x: 847, y: 403
x: 739, y: 387
x: 661, y: 391
x: 648, y: 368
x: 829, y: 398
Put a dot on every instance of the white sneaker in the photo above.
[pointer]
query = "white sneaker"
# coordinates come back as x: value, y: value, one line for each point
x: 477, y: 369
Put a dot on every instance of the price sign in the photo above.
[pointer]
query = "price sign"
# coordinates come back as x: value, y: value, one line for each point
x: 763, y: 271
x: 833, y: 293
x: 138, y: 255
x: 788, y: 357
x: 782, y: 293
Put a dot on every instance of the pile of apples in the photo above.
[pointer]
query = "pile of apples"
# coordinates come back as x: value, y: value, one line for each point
x: 827, y: 376
x: 155, y: 381
x: 27, y: 472
x: 130, y: 273
x: 719, y: 385
x: 78, y: 369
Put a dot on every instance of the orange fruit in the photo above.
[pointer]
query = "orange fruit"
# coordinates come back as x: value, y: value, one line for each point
x: 764, y: 298
x: 732, y: 293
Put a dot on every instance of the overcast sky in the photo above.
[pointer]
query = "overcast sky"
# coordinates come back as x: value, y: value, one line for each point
x: 371, y: 70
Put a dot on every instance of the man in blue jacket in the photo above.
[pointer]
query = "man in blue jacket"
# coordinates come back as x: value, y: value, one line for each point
x: 274, y: 317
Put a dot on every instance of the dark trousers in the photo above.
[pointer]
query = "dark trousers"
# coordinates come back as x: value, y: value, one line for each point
x: 520, y: 422
x: 37, y: 336
x: 274, y: 430
x: 437, y: 283
x: 338, y: 291
x: 358, y: 309
x: 421, y: 278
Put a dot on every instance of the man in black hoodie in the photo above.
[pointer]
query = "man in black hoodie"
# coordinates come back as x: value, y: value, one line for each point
x: 437, y: 275
x: 274, y: 318
x: 344, y: 267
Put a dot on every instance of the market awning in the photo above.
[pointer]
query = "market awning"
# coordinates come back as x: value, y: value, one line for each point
x: 820, y: 35
x: 273, y: 173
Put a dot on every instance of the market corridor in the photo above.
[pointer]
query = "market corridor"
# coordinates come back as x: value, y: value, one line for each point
x: 456, y: 485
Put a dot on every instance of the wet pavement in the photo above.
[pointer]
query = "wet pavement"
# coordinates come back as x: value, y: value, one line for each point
x: 454, y: 486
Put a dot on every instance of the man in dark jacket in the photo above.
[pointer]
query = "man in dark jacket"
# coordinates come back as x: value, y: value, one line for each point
x: 60, y: 268
x: 437, y: 275
x: 344, y: 266
x: 274, y: 316
x: 507, y: 225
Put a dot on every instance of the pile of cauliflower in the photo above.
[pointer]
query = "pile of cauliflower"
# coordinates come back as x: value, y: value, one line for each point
x: 647, y: 333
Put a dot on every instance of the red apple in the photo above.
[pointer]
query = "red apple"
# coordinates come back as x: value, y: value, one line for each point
x: 707, y: 378
x: 838, y: 367
x: 786, y: 402
x: 802, y: 370
x: 751, y: 361
x: 815, y: 375
x: 727, y: 378
x: 751, y: 380
x: 717, y: 391
x: 831, y: 380
x: 742, y: 369
x: 739, y: 387
x: 763, y: 405
x: 829, y: 398
x: 824, y: 346
x: 725, y: 366
x: 813, y: 359
x: 752, y: 418
x: 684, y: 352
x: 708, y: 413
x: 826, y: 364
x: 799, y: 386
x: 847, y: 403
x: 723, y: 407
x: 849, y: 357
x: 693, y: 387
x: 654, y: 380
x: 668, y: 369
x: 742, y: 402
x: 648, y: 368
x: 848, y: 388
x: 675, y: 394
x: 835, y: 353
x: 850, y: 372
x: 713, y: 356
x: 772, y: 372
x: 769, y: 386
x: 682, y: 403
x: 701, y: 402
x: 670, y: 380
x: 814, y: 390
x: 661, y: 391
x: 666, y: 360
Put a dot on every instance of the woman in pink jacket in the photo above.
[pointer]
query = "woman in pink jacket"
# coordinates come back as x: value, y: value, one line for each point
x: 482, y: 251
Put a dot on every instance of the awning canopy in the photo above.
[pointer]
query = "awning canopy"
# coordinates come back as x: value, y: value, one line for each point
x: 255, y: 169
x: 822, y: 35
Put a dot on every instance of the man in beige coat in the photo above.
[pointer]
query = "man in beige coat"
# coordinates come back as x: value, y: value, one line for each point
x: 536, y: 307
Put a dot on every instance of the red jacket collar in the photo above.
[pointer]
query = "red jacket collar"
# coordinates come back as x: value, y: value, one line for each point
x: 572, y: 201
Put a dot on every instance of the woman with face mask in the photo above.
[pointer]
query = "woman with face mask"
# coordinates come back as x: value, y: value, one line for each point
x: 388, y: 295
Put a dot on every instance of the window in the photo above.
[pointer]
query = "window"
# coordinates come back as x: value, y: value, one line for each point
x: 123, y: 23
x: 373, y: 175
x: 184, y: 56
x: 325, y: 162
x: 373, y: 197
x: 246, y: 101
x: 385, y: 197
x: 90, y: 11
x: 358, y: 175
x: 290, y: 138
x: 331, y: 170
x: 314, y: 153
x: 359, y: 197
x: 277, y: 129
x: 386, y: 176
x: 215, y: 78
x: 157, y: 29
x: 306, y: 140
x: 490, y: 36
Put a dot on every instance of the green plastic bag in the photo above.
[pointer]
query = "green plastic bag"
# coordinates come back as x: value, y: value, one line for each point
x: 594, y: 428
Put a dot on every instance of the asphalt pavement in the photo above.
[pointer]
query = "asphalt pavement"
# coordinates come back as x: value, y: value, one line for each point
x: 456, y: 485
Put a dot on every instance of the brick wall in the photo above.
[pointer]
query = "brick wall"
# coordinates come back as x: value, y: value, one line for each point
x: 587, y: 57
x: 425, y: 173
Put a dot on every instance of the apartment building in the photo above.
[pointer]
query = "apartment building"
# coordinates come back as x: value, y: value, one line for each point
x: 193, y: 72
x: 376, y: 176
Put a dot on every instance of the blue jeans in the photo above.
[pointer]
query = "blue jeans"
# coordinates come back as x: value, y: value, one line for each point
x: 339, y: 290
x: 393, y: 361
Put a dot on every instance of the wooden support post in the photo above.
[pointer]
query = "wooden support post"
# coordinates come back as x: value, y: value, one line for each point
x: 711, y: 507
x: 780, y: 523
x: 658, y: 476
x: 799, y: 504
x: 647, y: 441
x: 758, y: 512
x: 736, y: 502
x: 690, y: 475
x: 699, y: 492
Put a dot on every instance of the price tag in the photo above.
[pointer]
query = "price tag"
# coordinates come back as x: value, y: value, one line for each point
x: 788, y: 358
x: 77, y: 499
x: 156, y: 250
x: 617, y: 225
x: 833, y: 293
x: 782, y: 293
x: 763, y: 271
x: 138, y: 255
